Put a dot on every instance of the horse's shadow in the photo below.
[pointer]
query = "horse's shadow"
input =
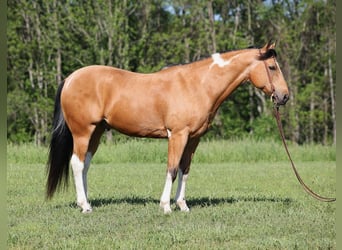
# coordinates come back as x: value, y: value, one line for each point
x: 192, y: 201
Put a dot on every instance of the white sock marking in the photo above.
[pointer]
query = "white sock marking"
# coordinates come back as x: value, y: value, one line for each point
x: 181, y: 186
x: 78, y: 170
x: 180, y: 195
x: 167, y: 189
x: 165, y: 198
x: 77, y: 165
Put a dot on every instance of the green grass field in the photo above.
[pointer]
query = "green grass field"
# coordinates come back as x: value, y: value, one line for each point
x: 242, y: 195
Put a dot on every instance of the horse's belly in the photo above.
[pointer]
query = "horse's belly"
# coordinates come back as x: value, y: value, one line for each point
x: 140, y: 125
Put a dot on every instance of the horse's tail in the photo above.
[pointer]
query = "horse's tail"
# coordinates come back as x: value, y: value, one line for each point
x: 61, y: 148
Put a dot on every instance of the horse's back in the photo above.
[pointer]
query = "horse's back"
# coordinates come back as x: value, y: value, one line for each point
x: 137, y: 104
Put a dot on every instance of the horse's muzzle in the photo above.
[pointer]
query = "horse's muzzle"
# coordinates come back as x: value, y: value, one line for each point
x: 280, y: 99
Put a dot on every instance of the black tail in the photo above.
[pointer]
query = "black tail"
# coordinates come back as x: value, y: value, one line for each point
x: 61, y: 147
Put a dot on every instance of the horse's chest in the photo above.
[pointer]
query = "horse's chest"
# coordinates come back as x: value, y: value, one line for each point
x: 202, y: 125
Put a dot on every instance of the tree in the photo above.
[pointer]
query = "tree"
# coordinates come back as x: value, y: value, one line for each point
x: 47, y: 40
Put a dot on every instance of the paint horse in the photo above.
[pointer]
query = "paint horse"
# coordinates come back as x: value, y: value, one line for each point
x: 178, y: 103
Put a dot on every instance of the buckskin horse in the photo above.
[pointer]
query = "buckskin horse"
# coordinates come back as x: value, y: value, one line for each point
x: 178, y: 103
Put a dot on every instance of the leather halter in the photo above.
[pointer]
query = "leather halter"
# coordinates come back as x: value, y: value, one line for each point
x: 269, y: 76
x: 281, y: 131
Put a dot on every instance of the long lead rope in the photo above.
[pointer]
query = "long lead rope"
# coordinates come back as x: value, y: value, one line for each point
x: 281, y: 131
x: 305, y: 187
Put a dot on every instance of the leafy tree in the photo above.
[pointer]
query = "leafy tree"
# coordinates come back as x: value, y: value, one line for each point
x: 47, y: 40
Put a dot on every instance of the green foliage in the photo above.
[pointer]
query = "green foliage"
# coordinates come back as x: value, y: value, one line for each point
x: 265, y: 126
x: 47, y: 40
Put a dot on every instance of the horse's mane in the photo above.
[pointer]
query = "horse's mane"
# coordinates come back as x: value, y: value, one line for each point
x: 268, y: 54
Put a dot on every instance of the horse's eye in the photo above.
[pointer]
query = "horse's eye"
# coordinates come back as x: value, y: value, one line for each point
x: 272, y: 67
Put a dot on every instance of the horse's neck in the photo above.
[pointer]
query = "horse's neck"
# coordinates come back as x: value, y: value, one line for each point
x: 225, y: 72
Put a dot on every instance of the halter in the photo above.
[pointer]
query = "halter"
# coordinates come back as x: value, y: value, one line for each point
x: 269, y: 77
x: 281, y: 131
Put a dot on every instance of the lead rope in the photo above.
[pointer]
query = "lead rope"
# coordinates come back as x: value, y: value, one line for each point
x: 305, y: 187
x: 281, y: 131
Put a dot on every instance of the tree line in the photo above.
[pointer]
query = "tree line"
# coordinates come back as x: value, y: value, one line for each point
x: 49, y: 39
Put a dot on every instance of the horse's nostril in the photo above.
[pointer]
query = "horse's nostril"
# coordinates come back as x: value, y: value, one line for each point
x: 280, y: 99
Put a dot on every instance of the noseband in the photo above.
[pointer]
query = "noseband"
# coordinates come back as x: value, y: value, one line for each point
x: 281, y: 131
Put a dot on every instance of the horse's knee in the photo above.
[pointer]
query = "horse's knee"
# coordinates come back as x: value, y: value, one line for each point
x: 173, y: 172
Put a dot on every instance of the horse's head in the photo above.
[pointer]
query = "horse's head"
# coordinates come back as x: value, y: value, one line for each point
x: 267, y: 76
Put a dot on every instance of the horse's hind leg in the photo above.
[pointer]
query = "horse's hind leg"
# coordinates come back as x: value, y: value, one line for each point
x: 183, y: 173
x: 85, y: 147
x: 80, y: 162
x: 92, y: 148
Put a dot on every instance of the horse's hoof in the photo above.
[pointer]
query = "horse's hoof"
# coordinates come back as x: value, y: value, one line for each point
x: 85, y: 206
x: 186, y: 209
x: 87, y: 211
x: 182, y: 206
x: 167, y: 211
x: 166, y: 207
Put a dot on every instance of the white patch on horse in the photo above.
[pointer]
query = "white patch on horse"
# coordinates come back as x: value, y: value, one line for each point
x: 218, y: 60
x: 180, y: 195
x: 77, y: 165
x: 165, y: 198
x: 78, y: 170
x: 168, y: 133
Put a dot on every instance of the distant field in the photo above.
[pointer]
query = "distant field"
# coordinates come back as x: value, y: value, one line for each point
x: 242, y: 195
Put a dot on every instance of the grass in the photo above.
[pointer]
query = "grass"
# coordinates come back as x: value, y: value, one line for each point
x: 155, y: 151
x: 236, y: 202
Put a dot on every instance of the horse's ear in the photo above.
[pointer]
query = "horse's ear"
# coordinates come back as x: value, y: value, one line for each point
x: 270, y: 45
x: 268, y: 51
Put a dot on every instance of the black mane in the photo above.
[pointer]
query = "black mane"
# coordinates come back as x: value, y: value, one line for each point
x: 268, y: 54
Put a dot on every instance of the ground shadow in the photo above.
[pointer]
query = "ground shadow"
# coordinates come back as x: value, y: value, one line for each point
x: 207, y: 201
x: 134, y: 200
x: 192, y: 202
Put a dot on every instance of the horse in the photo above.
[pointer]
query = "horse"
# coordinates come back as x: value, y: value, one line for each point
x: 177, y: 103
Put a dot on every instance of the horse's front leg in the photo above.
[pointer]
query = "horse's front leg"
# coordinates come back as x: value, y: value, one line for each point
x: 184, y: 173
x: 180, y: 195
x: 177, y: 142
